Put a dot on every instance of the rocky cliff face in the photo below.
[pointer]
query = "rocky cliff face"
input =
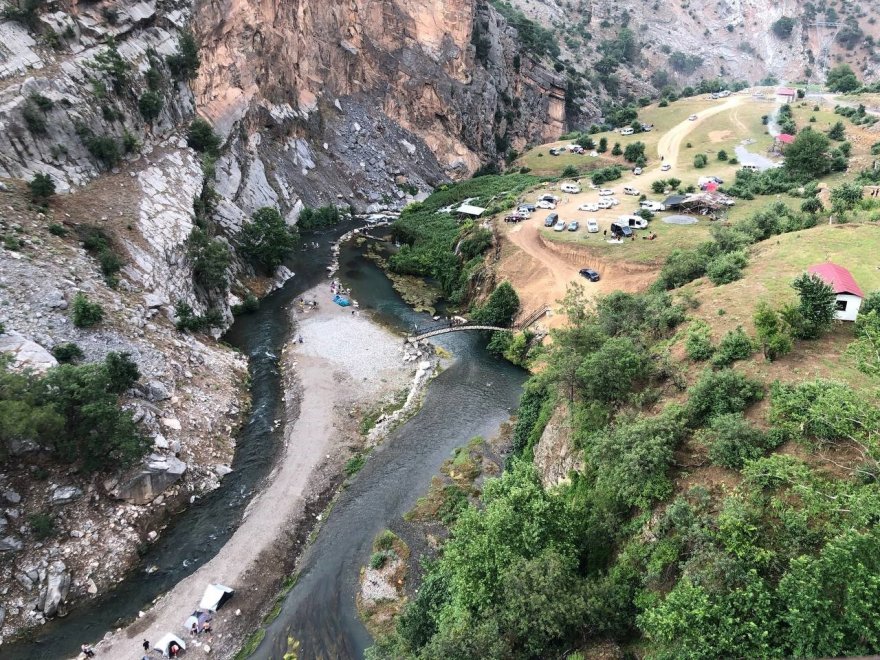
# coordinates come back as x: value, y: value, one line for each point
x: 338, y: 99
x: 731, y: 39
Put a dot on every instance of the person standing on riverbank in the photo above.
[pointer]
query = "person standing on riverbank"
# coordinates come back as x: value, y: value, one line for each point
x: 146, y: 646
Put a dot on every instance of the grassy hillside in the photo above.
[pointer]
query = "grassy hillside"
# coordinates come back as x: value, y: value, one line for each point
x: 727, y: 503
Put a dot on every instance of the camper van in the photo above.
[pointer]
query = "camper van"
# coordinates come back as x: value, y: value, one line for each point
x: 621, y: 230
x: 627, y: 131
x: 571, y: 188
x: 633, y: 221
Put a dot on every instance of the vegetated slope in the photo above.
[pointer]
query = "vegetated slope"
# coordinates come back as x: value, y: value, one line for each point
x: 727, y: 497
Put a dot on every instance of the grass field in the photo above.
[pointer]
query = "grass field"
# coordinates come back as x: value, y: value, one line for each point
x: 543, y: 164
x: 669, y: 238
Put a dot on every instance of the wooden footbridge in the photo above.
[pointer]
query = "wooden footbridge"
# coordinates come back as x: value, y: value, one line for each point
x: 451, y: 326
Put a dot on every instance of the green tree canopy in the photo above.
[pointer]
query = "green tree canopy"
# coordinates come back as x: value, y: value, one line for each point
x: 267, y: 239
x: 808, y: 156
x: 842, y: 78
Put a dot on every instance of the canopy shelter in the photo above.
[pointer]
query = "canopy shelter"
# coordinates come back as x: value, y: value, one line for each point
x: 470, y: 210
x: 167, y: 642
x: 342, y: 301
x: 214, y: 597
x: 197, y: 619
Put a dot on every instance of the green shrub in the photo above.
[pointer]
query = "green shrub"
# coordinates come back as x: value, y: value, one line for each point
x: 210, y: 259
x: 354, y: 464
x: 722, y: 155
x: 42, y: 525
x: 34, y: 119
x: 150, y: 105
x: 187, y: 320
x: 817, y: 305
x: 735, y: 345
x: 319, y: 218
x: 732, y: 441
x: 721, y: 392
x: 726, y: 268
x: 385, y: 540
x: 774, y: 333
x: 84, y: 313
x: 698, y: 344
x: 57, y: 229
x: 616, y: 150
x: 500, y: 309
x: 249, y: 305
x: 783, y: 27
x: 202, y: 137
x: 382, y: 557
x: 700, y: 161
x: 184, y: 63
x: 570, y: 172
x: 42, y: 188
x: 67, y: 352
x: 267, y: 239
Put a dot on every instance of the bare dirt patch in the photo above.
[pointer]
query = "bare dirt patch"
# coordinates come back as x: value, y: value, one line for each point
x: 720, y: 136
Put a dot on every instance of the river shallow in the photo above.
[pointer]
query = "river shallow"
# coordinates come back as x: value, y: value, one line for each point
x: 473, y: 396
x: 198, y: 533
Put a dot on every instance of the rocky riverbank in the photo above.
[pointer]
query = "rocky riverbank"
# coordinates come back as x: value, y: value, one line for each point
x: 344, y: 363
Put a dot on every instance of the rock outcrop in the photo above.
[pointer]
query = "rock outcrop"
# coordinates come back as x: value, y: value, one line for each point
x: 555, y: 456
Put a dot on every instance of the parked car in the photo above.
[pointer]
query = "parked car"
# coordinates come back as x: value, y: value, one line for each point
x: 627, y: 131
x: 647, y: 127
x: 614, y: 201
x: 637, y: 171
x: 629, y: 190
x: 692, y: 118
x: 590, y: 274
x: 592, y: 226
x: 554, y: 151
x: 605, y: 204
x: 619, y: 230
x: 574, y: 225
x: 665, y: 167
x: 605, y: 192
x: 652, y: 206
x: 516, y: 217
x: 551, y: 220
x: 545, y: 204
x: 589, y: 207
x: 559, y: 226
x: 526, y: 208
x: 571, y: 188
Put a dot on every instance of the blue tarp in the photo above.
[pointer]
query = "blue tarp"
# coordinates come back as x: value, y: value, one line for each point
x: 342, y: 301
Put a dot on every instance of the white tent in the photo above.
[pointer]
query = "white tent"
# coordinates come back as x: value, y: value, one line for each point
x: 214, y: 597
x: 165, y: 643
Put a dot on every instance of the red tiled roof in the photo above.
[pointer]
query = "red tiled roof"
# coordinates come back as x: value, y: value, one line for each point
x: 786, y: 91
x: 785, y: 138
x: 838, y: 277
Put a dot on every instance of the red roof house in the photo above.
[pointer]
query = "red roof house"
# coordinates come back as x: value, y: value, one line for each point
x: 849, y: 295
x: 786, y: 94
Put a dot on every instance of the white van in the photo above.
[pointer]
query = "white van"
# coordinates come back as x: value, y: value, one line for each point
x: 571, y: 188
x: 629, y: 190
x: 627, y: 131
x: 652, y: 205
x: 633, y: 221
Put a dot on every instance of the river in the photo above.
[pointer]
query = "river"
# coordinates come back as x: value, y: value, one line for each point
x: 198, y: 533
x: 473, y: 396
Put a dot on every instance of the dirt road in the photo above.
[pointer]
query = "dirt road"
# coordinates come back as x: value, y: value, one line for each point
x: 540, y: 274
x: 344, y: 360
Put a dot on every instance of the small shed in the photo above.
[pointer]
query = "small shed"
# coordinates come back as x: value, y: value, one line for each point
x: 786, y: 94
x: 849, y: 295
x: 470, y: 211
